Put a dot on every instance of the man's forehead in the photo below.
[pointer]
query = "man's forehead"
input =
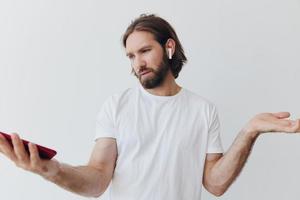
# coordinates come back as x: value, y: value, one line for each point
x: 139, y: 39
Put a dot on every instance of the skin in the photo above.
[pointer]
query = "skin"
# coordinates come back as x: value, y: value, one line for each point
x: 92, y: 179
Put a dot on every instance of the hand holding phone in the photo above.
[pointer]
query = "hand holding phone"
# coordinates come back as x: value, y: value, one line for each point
x: 44, y: 152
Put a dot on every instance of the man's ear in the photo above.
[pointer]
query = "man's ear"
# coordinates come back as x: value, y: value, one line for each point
x: 170, y: 47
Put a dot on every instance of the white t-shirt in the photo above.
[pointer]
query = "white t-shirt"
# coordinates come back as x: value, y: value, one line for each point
x: 162, y: 143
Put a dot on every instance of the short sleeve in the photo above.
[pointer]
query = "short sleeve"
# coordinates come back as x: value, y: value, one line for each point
x: 105, y: 121
x: 214, y: 140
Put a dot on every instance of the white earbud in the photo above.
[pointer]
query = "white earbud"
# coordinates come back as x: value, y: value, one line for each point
x: 170, y: 53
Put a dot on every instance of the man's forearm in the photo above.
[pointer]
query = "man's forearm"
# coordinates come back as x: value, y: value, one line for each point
x: 227, y: 168
x: 83, y: 180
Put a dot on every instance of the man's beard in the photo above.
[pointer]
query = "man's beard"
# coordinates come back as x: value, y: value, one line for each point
x: 159, y: 74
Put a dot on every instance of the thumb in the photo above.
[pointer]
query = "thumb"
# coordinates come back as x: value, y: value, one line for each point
x: 282, y: 115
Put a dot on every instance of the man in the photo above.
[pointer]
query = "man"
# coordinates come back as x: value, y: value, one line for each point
x: 156, y: 141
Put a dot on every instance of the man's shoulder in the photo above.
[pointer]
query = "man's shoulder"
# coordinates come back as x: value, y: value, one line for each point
x: 122, y: 95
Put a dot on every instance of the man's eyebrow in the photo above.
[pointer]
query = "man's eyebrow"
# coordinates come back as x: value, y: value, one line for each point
x: 142, y: 48
x: 145, y: 47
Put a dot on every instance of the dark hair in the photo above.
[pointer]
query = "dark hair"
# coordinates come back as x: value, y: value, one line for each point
x: 162, y: 31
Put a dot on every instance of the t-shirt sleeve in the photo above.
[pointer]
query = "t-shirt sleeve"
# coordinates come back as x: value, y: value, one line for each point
x: 105, y: 121
x: 214, y: 140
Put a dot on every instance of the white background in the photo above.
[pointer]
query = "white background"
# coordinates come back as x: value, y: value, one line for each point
x: 59, y: 60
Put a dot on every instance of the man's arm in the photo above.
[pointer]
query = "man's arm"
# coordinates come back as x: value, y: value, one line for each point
x: 221, y: 170
x: 90, y: 180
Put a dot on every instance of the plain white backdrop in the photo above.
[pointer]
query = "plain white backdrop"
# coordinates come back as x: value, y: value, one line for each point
x: 59, y: 61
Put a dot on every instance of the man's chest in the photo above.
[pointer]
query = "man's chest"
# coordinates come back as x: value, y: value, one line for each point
x: 169, y: 128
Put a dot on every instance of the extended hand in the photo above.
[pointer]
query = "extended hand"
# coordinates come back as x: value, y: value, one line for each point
x: 273, y: 122
x: 30, y: 162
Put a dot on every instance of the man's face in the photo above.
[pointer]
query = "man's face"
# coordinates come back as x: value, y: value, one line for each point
x: 148, y: 59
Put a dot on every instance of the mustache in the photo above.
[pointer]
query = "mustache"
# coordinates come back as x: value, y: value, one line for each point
x: 142, y: 70
x: 145, y: 70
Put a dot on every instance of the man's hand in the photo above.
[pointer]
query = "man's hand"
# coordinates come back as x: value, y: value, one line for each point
x: 220, y: 171
x: 90, y: 180
x: 28, y: 161
x: 272, y: 122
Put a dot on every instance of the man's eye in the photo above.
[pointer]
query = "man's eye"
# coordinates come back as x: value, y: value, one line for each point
x: 146, y: 50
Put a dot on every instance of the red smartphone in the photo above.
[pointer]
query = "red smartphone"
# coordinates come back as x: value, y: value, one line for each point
x: 44, y: 152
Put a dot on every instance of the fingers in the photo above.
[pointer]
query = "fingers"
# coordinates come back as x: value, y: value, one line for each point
x: 18, y: 154
x: 289, y: 126
x: 27, y: 160
x: 34, y: 155
x: 275, y: 122
x: 282, y: 115
x: 6, y: 148
x: 296, y: 126
x: 19, y: 149
x: 283, y: 122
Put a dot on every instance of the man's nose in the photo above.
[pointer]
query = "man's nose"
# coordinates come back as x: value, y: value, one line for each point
x: 139, y: 63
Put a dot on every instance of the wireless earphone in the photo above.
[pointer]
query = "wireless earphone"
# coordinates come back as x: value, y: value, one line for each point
x: 170, y: 53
